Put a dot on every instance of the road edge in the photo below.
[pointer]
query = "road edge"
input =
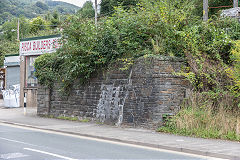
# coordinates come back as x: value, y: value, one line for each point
x: 177, y: 149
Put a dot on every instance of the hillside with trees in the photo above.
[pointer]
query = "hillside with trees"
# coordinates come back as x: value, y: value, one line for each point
x: 32, y: 8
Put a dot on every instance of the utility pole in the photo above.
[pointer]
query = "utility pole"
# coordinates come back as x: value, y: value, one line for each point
x: 96, y: 12
x: 18, y: 30
x: 235, y: 3
x: 205, y: 10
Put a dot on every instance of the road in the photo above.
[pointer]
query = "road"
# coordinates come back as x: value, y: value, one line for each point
x: 17, y: 143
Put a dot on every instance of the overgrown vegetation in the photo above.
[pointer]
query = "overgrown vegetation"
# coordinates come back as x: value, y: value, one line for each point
x: 146, y: 29
x: 199, y: 118
x: 234, y: 71
x: 107, y: 6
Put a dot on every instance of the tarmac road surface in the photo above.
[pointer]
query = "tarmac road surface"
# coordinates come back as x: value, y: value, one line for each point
x: 18, y: 143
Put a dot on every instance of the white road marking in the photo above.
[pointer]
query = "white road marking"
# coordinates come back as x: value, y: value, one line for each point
x: 15, y: 141
x: 48, y: 153
x: 12, y: 155
x: 179, y: 140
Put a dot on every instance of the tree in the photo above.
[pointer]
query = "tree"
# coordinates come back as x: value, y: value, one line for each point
x: 87, y: 11
x: 48, y: 17
x: 38, y: 24
x: 24, y: 27
x: 7, y: 47
x: 55, y: 19
x: 10, y: 30
x: 61, y: 10
x: 5, y: 16
x: 41, y: 5
x: 107, y: 6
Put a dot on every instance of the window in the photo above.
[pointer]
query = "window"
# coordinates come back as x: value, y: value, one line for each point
x: 31, y: 80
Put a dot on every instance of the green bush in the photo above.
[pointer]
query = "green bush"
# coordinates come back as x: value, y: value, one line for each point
x: 46, y: 69
x: 38, y: 24
x: 208, y: 54
x: 234, y: 71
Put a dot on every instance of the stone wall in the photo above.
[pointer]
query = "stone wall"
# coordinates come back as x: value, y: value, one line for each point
x: 43, y: 101
x: 139, y: 96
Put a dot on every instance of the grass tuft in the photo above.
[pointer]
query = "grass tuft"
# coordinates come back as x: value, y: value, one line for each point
x: 196, y: 119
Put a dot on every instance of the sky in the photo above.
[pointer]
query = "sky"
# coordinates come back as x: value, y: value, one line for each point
x: 76, y: 2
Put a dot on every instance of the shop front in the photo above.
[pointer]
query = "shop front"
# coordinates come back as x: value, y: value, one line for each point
x: 29, y: 50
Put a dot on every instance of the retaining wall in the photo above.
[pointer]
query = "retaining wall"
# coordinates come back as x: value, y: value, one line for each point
x: 139, y: 96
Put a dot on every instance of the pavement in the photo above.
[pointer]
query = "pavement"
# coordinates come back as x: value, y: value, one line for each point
x: 138, y: 136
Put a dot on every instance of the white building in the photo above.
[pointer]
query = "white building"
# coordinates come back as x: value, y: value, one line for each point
x: 233, y: 12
